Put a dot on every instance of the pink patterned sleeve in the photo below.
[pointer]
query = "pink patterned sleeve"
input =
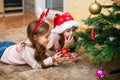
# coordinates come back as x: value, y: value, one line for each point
x: 54, y: 42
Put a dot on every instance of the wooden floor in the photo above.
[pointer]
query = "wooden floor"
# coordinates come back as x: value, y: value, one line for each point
x: 16, y: 21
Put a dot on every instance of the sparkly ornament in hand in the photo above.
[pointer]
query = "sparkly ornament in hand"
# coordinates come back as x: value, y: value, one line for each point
x: 92, y: 35
x: 64, y: 51
x: 100, y: 73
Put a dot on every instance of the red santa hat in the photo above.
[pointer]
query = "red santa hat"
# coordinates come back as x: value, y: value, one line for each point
x: 63, y: 22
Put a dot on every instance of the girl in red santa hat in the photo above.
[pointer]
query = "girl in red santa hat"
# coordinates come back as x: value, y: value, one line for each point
x: 62, y: 34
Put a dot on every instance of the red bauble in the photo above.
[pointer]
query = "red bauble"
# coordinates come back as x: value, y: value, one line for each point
x: 64, y: 51
x: 92, y: 35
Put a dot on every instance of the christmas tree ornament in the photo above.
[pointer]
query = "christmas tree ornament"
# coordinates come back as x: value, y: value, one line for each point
x: 95, y: 8
x: 111, y: 38
x: 117, y: 26
x: 64, y: 51
x: 97, y: 35
x: 92, y: 35
x: 100, y: 73
x: 117, y: 2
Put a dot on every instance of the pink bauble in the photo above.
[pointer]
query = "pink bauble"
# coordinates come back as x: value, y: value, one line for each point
x: 100, y: 73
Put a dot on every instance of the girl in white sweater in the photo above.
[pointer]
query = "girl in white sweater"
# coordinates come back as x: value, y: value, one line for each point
x: 32, y: 51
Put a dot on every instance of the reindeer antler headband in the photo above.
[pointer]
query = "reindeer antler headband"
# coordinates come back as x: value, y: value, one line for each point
x: 41, y: 19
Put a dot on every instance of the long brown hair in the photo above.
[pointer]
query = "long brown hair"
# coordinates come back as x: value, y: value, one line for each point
x: 62, y: 40
x: 41, y: 30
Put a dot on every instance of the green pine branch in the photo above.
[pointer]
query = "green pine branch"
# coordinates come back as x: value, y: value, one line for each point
x: 103, y: 48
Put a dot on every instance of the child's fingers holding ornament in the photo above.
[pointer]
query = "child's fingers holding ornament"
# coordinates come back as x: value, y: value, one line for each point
x: 66, y: 57
x: 56, y: 56
x: 65, y: 54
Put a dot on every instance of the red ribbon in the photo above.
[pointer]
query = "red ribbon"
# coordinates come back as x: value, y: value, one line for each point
x: 41, y: 19
x: 37, y: 25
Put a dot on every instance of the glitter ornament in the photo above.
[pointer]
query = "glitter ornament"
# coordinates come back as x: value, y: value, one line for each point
x: 100, y: 73
x: 64, y: 51
x: 95, y: 8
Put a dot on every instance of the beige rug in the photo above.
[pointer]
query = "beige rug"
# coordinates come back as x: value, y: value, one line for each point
x: 82, y: 70
x: 16, y: 35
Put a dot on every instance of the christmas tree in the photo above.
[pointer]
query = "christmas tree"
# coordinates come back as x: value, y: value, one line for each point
x: 102, y: 40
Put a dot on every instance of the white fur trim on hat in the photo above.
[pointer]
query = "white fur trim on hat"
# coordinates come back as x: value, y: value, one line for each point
x: 66, y: 25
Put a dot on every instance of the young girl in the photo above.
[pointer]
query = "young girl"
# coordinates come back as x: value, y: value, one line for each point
x: 32, y: 51
x: 62, y: 34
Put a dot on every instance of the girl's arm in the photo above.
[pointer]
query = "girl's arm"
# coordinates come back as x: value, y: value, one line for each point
x: 47, y: 62
x: 28, y: 56
x: 55, y: 59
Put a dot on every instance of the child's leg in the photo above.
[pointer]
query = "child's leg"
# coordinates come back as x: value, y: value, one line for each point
x: 7, y: 43
x: 4, y: 45
x: 2, y: 49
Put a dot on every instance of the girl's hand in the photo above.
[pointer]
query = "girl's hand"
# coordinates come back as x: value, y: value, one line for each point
x: 68, y: 40
x: 58, y: 57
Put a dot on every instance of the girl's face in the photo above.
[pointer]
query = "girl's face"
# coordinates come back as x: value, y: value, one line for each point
x: 69, y: 32
x: 43, y: 40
